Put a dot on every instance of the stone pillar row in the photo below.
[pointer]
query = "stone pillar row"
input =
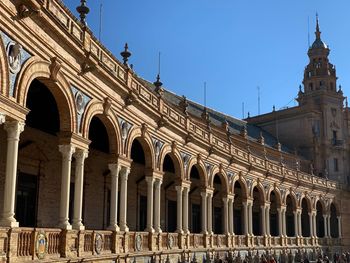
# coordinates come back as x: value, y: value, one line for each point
x: 119, y: 174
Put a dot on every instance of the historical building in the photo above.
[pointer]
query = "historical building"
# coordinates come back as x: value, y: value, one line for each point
x: 98, y: 164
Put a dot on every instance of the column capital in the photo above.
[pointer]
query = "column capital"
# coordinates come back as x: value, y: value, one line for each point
x: 204, y: 194
x: 114, y: 168
x: 124, y: 172
x: 158, y: 182
x: 149, y: 179
x: 225, y: 200
x: 67, y: 150
x: 179, y: 188
x: 2, y: 118
x: 14, y: 129
x: 81, y: 154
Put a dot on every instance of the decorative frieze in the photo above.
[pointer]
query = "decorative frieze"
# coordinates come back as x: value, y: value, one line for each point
x: 125, y: 127
x: 81, y: 100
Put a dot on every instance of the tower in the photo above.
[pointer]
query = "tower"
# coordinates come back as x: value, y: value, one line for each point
x: 324, y: 102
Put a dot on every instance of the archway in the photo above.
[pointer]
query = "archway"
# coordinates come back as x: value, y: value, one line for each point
x: 238, y: 214
x: 137, y: 186
x: 305, y: 218
x: 334, y: 228
x: 290, y: 218
x: 274, y: 220
x: 256, y: 211
x: 319, y: 220
x: 39, y: 161
x: 97, y: 181
x: 217, y: 204
x: 195, y: 199
x: 171, y: 179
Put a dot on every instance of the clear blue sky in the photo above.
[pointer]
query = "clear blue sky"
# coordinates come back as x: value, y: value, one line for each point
x: 233, y: 45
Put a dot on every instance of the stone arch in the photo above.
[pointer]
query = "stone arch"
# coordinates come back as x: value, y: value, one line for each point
x: 201, y: 169
x: 95, y: 109
x: 176, y: 158
x: 336, y: 205
x: 308, y: 201
x: 277, y: 192
x: 223, y: 178
x: 36, y: 68
x: 261, y: 189
x: 323, y: 204
x: 4, y: 70
x: 244, y: 186
x: 292, y: 196
x: 146, y: 142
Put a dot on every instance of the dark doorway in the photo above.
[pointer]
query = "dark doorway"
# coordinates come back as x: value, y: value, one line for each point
x: 196, y: 218
x: 172, y: 215
x: 143, y: 212
x: 26, y: 207
x: 218, y: 220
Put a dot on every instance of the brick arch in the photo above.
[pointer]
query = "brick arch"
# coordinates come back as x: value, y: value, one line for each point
x: 323, y: 205
x: 277, y: 192
x: 95, y: 109
x: 35, y: 68
x: 336, y: 205
x: 260, y: 189
x: 244, y: 186
x: 176, y: 158
x: 292, y: 196
x: 201, y: 169
x: 308, y: 201
x: 216, y: 171
x: 146, y: 142
x: 4, y: 71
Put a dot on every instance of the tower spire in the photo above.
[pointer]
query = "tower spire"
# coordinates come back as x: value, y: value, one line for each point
x: 318, y: 32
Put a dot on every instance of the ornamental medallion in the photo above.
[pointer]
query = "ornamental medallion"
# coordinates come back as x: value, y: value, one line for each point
x: 41, y: 245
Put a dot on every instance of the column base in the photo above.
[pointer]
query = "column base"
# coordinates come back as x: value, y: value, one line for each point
x: 158, y: 230
x: 65, y: 226
x: 114, y: 228
x: 124, y: 228
x: 149, y: 229
x: 179, y: 231
x: 78, y: 227
x: 9, y: 223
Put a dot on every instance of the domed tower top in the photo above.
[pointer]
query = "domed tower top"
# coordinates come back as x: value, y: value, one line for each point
x: 319, y: 74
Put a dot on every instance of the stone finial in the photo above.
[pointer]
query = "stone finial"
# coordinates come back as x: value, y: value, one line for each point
x: 83, y: 10
x: 125, y: 54
x: 244, y: 132
x: 158, y: 84
x: 261, y: 139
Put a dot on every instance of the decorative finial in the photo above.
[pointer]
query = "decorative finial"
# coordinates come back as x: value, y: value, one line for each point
x: 318, y: 32
x: 83, y: 10
x: 248, y: 114
x: 273, y: 108
x: 158, y: 83
x: 346, y: 102
x: 126, y: 54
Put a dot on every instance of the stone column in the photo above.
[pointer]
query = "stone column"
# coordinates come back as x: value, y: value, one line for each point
x: 114, y: 168
x: 314, y: 224
x: 296, y: 225
x: 210, y: 212
x: 263, y: 221
x: 67, y: 152
x: 230, y: 216
x: 245, y: 218
x: 80, y: 157
x: 14, y: 129
x: 311, y: 224
x: 250, y: 212
x: 2, y: 118
x: 325, y: 226
x: 185, y: 210
x: 280, y: 230
x: 204, y: 212
x: 339, y: 227
x: 299, y: 224
x: 225, y: 203
x: 150, y: 185
x: 329, y: 225
x: 284, y: 229
x: 179, y: 190
x: 124, y: 173
x: 268, y: 220
x: 157, y: 192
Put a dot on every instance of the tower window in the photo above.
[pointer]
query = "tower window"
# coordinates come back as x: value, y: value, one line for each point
x: 336, y: 167
x: 311, y: 86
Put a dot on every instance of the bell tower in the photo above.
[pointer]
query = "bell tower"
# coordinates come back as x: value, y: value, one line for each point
x: 320, y: 74
x: 324, y: 103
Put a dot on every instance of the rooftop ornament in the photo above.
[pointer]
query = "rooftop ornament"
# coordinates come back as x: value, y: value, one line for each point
x: 125, y: 54
x: 83, y: 10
